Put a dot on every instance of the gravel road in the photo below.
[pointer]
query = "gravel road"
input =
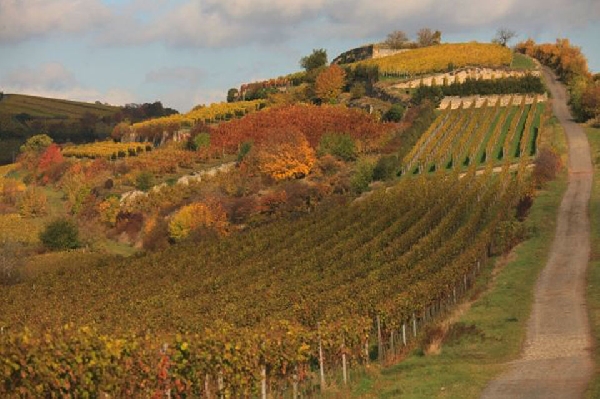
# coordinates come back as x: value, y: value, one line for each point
x: 556, y: 360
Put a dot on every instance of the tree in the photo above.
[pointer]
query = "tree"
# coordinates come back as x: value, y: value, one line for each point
x: 329, y: 84
x: 122, y: 129
x: 50, y: 164
x: 426, y: 37
x: 394, y: 114
x: 503, y: 36
x: 33, y: 202
x: 31, y: 151
x: 60, y: 234
x: 144, y: 181
x: 590, y: 101
x: 232, y: 95
x: 396, y: 39
x: 36, y: 144
x: 316, y: 60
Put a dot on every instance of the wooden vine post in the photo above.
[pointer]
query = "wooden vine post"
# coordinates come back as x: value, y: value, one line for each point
x: 321, y: 365
x: 344, y: 363
x: 379, y: 341
x: 263, y: 385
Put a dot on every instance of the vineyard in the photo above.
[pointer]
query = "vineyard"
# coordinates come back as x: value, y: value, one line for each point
x: 262, y: 310
x: 270, y: 273
x: 478, y: 136
x: 106, y: 149
x: 217, y: 112
x: 442, y: 57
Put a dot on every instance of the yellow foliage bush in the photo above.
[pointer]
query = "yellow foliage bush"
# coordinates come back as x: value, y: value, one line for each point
x: 284, y: 155
x: 32, y: 203
x: 109, y: 209
x: 196, y: 215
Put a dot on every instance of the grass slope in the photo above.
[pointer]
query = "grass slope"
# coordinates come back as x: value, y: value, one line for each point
x: 491, y: 333
x: 593, y: 288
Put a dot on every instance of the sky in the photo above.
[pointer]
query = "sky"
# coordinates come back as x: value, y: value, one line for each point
x: 190, y: 52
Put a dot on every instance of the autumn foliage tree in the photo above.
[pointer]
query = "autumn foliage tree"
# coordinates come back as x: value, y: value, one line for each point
x: 31, y: 151
x: 590, y: 102
x: 571, y: 66
x: 286, y: 154
x: 208, y: 214
x: 329, y: 84
x: 50, y: 162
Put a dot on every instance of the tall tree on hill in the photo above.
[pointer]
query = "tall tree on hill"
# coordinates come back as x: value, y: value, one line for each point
x: 503, y: 36
x: 316, y: 60
x: 426, y: 37
x: 396, y: 39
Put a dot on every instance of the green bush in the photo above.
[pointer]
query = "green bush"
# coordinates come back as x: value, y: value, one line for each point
x: 61, y: 234
x: 144, y: 181
x: 202, y: 140
x: 394, y: 114
x: 339, y: 145
x: 386, y: 168
x: 363, y: 175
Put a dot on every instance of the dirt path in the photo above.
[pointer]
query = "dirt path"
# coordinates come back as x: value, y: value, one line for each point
x: 556, y: 362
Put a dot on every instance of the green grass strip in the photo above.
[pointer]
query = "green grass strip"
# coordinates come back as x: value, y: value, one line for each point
x: 499, y: 144
x: 593, y: 286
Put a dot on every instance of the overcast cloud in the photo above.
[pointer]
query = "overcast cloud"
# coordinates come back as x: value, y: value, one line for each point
x: 213, y: 23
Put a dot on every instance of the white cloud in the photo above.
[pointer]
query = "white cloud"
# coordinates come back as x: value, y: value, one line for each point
x: 55, y: 81
x: 21, y: 20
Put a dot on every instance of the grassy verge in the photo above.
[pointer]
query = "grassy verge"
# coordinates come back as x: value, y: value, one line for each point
x: 492, y: 331
x: 593, y: 287
x: 521, y: 61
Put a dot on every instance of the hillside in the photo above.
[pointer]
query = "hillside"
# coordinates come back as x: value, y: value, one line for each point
x: 277, y: 242
x: 50, y: 109
x: 22, y: 116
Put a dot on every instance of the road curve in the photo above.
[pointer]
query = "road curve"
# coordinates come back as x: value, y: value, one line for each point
x: 556, y: 360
